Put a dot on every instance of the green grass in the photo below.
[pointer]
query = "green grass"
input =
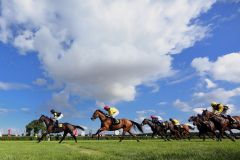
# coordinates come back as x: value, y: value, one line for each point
x: 112, y: 149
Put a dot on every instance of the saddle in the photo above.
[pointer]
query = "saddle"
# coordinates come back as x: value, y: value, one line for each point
x: 115, y: 121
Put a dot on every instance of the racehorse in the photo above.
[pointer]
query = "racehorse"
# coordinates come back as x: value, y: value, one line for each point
x: 185, y: 131
x: 107, y: 125
x: 156, y: 129
x: 66, y: 128
x: 235, y: 125
x: 204, y: 127
x: 221, y: 124
x: 173, y: 131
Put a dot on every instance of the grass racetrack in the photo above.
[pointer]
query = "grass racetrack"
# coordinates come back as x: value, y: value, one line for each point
x: 128, y: 149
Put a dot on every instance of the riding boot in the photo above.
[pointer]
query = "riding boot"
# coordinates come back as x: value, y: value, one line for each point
x: 56, y: 124
x: 115, y: 121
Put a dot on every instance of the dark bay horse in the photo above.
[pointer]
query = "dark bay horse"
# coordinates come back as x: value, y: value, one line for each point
x: 182, y: 132
x: 156, y: 129
x: 204, y: 127
x: 173, y: 131
x: 106, y: 124
x: 235, y: 125
x: 221, y: 124
x: 66, y: 128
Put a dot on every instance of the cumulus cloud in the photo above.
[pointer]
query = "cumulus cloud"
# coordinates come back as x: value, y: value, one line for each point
x: 183, y: 106
x: 103, y: 49
x: 25, y: 109
x: 202, y: 100
x: 218, y: 95
x: 12, y: 86
x: 5, y: 110
x: 141, y: 115
x: 40, y: 82
x: 210, y: 84
x: 199, y: 110
x: 225, y: 68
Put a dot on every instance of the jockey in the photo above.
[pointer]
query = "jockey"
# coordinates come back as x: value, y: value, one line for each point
x: 220, y: 109
x: 176, y: 123
x: 56, y: 117
x: 156, y: 119
x: 112, y: 112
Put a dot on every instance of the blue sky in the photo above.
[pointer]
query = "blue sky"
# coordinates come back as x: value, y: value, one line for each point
x: 144, y: 57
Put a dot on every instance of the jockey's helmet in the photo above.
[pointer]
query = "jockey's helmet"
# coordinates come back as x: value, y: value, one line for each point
x: 213, y: 104
x: 52, y: 111
x: 106, y: 107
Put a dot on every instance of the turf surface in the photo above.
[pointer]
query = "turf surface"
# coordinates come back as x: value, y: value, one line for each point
x: 112, y: 149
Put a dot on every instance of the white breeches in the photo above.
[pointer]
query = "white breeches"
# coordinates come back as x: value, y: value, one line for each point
x: 115, y: 114
x: 60, y: 117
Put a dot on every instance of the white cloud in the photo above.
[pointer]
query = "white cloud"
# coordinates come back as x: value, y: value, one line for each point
x: 141, y: 115
x: 103, y: 49
x: 12, y: 86
x: 40, y: 82
x: 24, y: 109
x: 183, y: 106
x: 162, y: 103
x: 198, y: 110
x: 5, y: 110
x: 219, y: 95
x: 210, y: 84
x: 24, y: 42
x: 225, y: 68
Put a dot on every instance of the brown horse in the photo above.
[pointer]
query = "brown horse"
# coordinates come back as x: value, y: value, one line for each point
x: 221, y: 124
x: 66, y: 128
x: 235, y: 125
x: 185, y: 131
x: 173, y: 130
x: 107, y: 125
x: 156, y: 129
x: 204, y: 127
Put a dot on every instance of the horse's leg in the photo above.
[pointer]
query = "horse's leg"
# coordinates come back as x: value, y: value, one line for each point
x: 41, y: 138
x: 166, y: 135
x: 99, y: 131
x: 162, y: 136
x: 123, y: 134
x: 63, y: 137
x: 204, y: 136
x: 153, y: 134
x: 189, y: 136
x: 133, y: 135
x: 232, y: 134
x: 230, y: 137
x: 75, y: 138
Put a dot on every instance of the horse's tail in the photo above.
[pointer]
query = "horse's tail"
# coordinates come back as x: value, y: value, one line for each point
x: 137, y: 125
x: 79, y: 127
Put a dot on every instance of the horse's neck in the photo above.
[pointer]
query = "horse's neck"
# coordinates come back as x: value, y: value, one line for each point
x: 47, y: 121
x: 102, y: 117
x: 150, y: 123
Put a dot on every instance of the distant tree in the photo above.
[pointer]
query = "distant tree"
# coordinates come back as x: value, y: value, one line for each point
x: 34, y: 126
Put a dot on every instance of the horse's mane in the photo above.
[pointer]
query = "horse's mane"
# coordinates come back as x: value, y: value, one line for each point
x: 101, y: 111
x: 44, y: 116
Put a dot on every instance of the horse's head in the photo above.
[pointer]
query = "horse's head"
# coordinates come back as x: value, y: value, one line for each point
x: 144, y: 122
x: 191, y: 119
x: 96, y: 114
x: 45, y: 119
x: 42, y: 118
x: 206, y: 113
